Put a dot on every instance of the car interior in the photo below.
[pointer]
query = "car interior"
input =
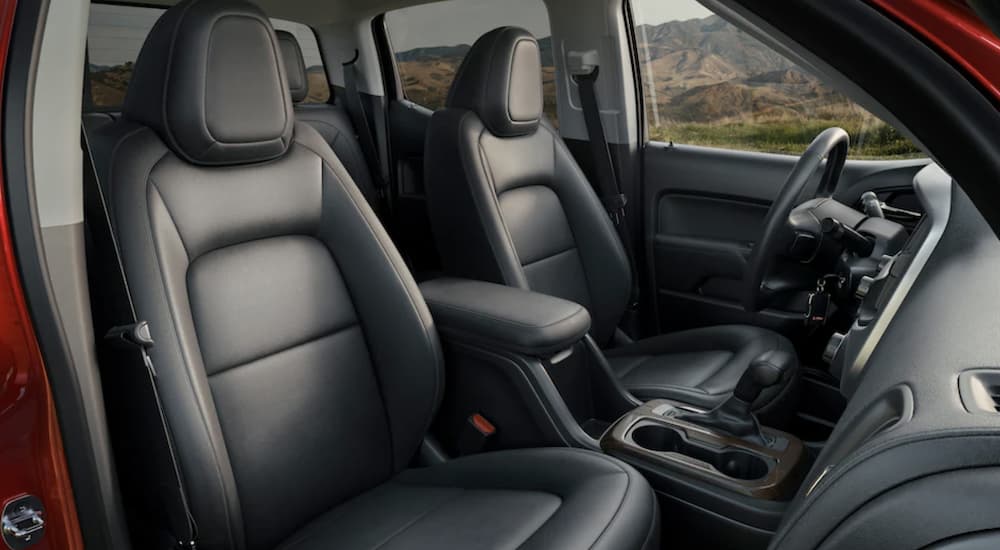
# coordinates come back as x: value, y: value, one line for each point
x: 616, y: 274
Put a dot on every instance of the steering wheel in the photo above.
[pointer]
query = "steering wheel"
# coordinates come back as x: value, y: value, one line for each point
x: 831, y: 144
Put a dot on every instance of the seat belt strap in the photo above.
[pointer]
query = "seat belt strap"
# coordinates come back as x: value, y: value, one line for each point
x: 359, y: 116
x: 133, y: 340
x: 607, y: 179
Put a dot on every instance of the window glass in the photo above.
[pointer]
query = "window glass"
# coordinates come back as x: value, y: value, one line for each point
x: 705, y: 82
x: 114, y: 39
x: 430, y: 41
x: 319, y: 87
x: 116, y: 35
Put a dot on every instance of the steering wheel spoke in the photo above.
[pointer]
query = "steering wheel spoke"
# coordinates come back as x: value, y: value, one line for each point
x: 830, y: 145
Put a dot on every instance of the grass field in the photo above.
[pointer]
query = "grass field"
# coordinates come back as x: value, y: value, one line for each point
x: 870, y: 137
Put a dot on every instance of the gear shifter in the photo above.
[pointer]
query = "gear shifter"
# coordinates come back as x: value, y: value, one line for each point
x: 734, y: 416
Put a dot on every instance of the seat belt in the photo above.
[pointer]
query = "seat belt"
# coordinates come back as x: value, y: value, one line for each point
x: 607, y: 179
x: 359, y: 116
x: 127, y: 340
x: 584, y: 68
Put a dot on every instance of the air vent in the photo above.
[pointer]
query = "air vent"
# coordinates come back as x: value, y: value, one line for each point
x: 980, y: 390
x: 995, y: 396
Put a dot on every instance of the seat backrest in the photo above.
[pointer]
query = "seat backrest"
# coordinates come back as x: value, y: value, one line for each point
x: 330, y: 120
x: 507, y: 201
x: 290, y: 338
x: 94, y: 120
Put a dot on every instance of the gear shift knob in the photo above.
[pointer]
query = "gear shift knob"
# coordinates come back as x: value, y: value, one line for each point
x: 735, y: 415
x: 765, y: 371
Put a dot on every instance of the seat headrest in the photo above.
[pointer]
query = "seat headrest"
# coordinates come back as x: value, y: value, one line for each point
x: 295, y: 65
x: 500, y: 80
x: 210, y: 81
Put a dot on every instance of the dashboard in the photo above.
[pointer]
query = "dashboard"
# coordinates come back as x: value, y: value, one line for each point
x: 882, y: 294
x: 912, y: 461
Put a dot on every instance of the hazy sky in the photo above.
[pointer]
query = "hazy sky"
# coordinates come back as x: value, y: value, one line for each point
x: 117, y: 32
x: 463, y: 21
x: 654, y: 12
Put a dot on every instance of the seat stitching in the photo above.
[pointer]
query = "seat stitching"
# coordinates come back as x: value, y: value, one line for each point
x: 176, y: 333
x: 333, y: 332
x: 621, y: 504
x: 111, y: 167
x: 691, y: 389
x: 505, y: 321
x: 709, y: 376
x: 494, y: 198
x: 429, y: 335
x: 550, y: 256
x: 419, y: 517
x: 628, y: 370
x: 580, y: 262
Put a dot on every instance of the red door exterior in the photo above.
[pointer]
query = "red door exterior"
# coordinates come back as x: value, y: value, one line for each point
x: 957, y: 32
x: 31, y: 452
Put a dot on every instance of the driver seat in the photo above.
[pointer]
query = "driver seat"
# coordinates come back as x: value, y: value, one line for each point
x: 508, y: 204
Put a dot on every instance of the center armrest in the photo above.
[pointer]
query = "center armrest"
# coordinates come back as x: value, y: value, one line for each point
x: 501, y: 316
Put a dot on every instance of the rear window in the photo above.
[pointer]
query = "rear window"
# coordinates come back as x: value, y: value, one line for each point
x: 430, y: 41
x: 319, y: 89
x: 116, y: 35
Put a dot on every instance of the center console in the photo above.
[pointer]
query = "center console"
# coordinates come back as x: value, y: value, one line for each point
x: 725, y: 447
x: 658, y: 434
x: 524, y: 363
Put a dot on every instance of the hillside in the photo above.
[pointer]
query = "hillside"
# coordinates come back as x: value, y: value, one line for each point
x: 427, y: 73
x: 706, y: 83
x: 711, y: 84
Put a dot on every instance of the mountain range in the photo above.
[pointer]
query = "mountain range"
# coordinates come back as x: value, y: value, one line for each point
x: 697, y: 71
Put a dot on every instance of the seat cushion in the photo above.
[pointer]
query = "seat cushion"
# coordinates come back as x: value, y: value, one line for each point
x: 700, y: 366
x: 533, y: 498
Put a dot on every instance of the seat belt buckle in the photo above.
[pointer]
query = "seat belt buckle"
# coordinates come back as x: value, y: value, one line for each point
x: 475, y: 434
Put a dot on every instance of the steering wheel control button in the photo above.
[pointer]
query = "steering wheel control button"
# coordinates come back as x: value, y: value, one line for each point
x: 23, y: 522
x: 833, y: 346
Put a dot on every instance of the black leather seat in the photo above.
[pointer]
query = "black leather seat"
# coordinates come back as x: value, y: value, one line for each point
x: 330, y: 120
x: 508, y: 204
x: 297, y: 363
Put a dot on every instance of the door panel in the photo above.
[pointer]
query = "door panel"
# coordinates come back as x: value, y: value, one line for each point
x: 704, y: 209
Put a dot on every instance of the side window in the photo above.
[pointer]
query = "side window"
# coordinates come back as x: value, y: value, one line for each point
x: 705, y: 82
x: 319, y: 87
x: 114, y: 39
x: 116, y: 34
x: 430, y: 41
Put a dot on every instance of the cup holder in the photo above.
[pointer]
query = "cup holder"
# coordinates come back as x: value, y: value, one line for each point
x: 731, y: 463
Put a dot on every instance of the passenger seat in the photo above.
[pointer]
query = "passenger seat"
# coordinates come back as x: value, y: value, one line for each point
x: 331, y: 121
x: 509, y: 204
x: 296, y: 361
